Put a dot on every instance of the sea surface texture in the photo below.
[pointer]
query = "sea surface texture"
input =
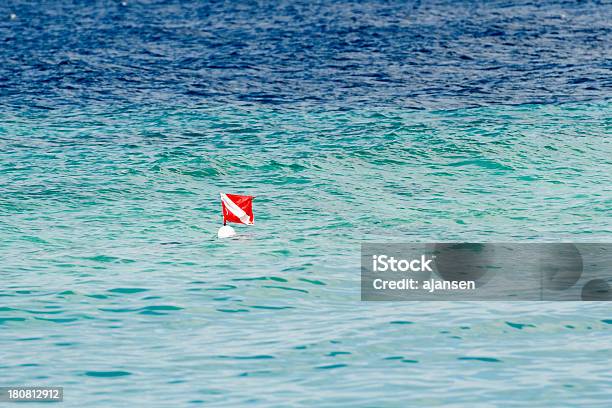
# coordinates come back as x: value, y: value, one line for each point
x: 351, y: 122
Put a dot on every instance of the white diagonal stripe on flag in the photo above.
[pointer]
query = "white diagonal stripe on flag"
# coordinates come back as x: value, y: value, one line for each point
x: 237, y: 211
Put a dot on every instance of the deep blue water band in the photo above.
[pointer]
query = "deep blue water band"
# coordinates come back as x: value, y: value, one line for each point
x: 443, y: 54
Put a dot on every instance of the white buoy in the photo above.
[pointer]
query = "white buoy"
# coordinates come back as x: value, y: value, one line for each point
x: 226, y: 231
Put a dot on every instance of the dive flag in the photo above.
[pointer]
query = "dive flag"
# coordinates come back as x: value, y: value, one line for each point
x: 237, y: 208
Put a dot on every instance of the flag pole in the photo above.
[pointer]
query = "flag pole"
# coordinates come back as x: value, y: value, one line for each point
x: 225, y: 231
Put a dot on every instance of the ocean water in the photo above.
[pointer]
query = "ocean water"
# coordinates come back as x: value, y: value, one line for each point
x: 350, y: 122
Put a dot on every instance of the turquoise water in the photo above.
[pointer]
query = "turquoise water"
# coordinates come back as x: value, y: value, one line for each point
x: 116, y: 287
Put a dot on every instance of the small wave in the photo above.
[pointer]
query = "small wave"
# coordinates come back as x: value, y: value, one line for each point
x: 107, y: 374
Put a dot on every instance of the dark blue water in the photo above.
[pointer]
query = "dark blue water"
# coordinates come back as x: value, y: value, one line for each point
x: 409, y: 54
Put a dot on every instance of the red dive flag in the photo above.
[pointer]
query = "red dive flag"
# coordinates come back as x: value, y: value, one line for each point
x: 237, y: 208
